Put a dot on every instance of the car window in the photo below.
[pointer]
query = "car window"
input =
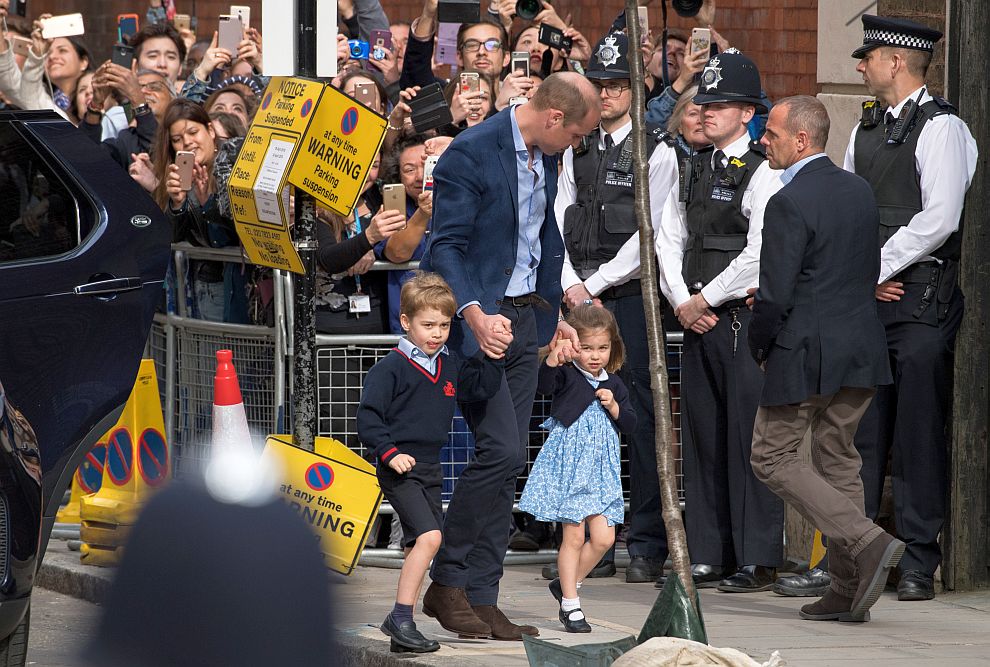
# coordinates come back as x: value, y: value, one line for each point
x: 38, y: 215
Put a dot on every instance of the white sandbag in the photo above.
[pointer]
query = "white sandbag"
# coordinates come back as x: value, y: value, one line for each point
x: 674, y: 652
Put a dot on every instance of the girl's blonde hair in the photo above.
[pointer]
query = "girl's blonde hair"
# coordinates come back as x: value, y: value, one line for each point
x: 590, y: 319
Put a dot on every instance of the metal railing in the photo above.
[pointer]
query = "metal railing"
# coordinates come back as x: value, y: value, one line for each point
x: 184, y: 351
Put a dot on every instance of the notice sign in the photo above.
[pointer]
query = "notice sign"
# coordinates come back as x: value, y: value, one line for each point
x: 335, y: 491
x: 259, y: 193
x: 337, y: 151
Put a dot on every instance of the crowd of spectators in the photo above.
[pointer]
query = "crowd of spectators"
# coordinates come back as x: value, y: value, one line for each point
x: 185, y: 93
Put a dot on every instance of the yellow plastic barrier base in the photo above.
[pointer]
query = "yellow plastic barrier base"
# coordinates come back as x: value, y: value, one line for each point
x: 137, y: 464
x: 99, y: 556
x: 104, y: 535
x: 334, y: 490
x: 102, y: 509
x: 69, y: 513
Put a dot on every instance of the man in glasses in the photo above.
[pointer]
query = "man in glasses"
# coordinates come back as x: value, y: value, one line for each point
x: 481, y: 47
x: 595, y: 212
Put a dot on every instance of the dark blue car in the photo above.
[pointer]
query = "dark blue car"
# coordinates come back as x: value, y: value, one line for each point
x: 83, y: 252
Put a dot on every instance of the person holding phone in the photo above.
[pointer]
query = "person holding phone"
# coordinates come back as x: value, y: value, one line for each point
x: 196, y: 215
x: 61, y: 62
x: 159, y: 47
x: 469, y: 107
x: 197, y: 85
x: 149, y: 95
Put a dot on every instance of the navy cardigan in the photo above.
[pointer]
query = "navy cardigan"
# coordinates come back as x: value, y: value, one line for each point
x: 572, y: 394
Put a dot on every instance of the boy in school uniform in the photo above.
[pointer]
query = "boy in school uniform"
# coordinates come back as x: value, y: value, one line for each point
x: 407, y: 405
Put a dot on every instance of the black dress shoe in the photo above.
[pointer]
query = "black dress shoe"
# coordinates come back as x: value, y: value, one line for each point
x: 813, y: 583
x: 915, y: 586
x: 643, y: 570
x: 556, y: 591
x: 705, y: 576
x: 605, y: 568
x: 749, y: 579
x: 406, y: 638
x: 580, y: 625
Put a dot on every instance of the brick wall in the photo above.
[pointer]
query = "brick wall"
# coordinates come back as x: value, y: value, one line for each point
x: 930, y: 13
x: 780, y: 35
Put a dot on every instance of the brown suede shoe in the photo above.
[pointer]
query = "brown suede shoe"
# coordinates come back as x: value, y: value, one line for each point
x: 503, y: 628
x: 450, y: 607
x: 831, y: 607
x: 872, y: 567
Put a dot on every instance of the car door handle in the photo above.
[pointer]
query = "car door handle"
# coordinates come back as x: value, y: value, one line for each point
x: 103, y: 287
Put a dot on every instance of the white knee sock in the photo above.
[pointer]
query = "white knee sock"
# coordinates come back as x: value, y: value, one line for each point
x: 569, y: 605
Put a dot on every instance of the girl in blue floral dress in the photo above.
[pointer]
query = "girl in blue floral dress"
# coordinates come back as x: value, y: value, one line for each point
x: 575, y: 479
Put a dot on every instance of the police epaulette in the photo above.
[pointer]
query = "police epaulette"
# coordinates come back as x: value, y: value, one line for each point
x: 661, y: 135
x: 757, y: 147
x: 945, y: 105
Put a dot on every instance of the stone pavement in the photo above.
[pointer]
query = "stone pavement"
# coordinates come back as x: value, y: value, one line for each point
x: 951, y: 631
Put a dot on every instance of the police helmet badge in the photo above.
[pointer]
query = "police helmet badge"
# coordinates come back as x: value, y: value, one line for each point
x: 712, y: 74
x: 608, y: 52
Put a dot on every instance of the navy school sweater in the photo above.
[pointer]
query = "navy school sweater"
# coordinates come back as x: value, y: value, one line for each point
x: 572, y: 394
x: 405, y: 410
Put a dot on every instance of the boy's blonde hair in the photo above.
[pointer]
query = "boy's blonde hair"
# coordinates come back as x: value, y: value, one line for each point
x: 588, y: 320
x: 427, y: 290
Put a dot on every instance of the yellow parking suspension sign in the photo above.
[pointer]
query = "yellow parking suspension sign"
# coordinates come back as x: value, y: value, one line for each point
x: 258, y: 184
x: 332, y: 489
x: 337, y: 151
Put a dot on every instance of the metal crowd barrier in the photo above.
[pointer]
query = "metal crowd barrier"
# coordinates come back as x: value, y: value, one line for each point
x: 184, y: 351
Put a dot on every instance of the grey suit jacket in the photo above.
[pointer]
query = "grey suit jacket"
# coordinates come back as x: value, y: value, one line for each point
x: 815, y: 320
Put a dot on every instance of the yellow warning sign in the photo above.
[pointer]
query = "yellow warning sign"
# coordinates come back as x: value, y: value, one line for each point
x: 337, y: 151
x: 334, y: 490
x: 259, y: 194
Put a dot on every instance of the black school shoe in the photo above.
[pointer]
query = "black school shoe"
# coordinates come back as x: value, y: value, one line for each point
x: 406, y: 638
x: 580, y: 625
x: 749, y: 579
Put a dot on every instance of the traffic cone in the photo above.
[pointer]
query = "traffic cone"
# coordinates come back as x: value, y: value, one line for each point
x: 137, y: 465
x: 230, y: 426
x: 235, y: 473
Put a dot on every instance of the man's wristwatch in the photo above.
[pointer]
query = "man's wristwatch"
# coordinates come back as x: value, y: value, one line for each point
x: 142, y: 109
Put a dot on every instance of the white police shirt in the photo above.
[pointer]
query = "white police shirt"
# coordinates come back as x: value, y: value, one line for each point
x: 945, y: 159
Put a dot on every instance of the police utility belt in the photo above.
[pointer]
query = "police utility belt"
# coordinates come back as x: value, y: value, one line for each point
x: 939, y: 281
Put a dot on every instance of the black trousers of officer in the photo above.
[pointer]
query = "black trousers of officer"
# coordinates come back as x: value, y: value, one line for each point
x: 907, y: 421
x: 731, y: 518
x: 647, y: 536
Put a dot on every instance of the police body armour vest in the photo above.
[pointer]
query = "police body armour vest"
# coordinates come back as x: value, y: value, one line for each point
x: 891, y: 172
x: 717, y: 228
x: 603, y: 215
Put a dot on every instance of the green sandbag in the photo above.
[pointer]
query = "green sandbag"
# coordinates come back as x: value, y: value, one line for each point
x: 673, y: 616
x: 550, y: 654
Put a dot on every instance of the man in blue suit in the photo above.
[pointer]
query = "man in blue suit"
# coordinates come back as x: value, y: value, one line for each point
x: 496, y: 242
x: 816, y: 333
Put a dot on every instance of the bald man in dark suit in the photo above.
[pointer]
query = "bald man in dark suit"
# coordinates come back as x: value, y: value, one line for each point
x: 816, y: 333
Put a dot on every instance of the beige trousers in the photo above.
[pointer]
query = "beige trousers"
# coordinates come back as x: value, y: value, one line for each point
x: 829, y: 492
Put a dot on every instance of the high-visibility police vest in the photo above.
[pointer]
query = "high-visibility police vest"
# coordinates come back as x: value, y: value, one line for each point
x: 717, y: 228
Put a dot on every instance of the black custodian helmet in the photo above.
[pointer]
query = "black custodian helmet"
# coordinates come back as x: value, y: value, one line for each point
x: 730, y: 77
x: 610, y: 58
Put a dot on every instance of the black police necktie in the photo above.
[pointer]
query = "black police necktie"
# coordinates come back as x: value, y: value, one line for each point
x: 719, y: 162
x: 609, y: 142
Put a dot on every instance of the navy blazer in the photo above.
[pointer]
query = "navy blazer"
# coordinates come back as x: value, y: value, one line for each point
x: 572, y: 394
x: 815, y: 320
x: 475, y: 227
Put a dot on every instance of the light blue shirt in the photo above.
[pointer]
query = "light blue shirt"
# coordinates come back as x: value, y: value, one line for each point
x: 792, y: 171
x: 422, y: 358
x: 532, y: 208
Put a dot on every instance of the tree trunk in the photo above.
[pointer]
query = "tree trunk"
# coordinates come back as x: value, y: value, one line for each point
x: 676, y: 537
